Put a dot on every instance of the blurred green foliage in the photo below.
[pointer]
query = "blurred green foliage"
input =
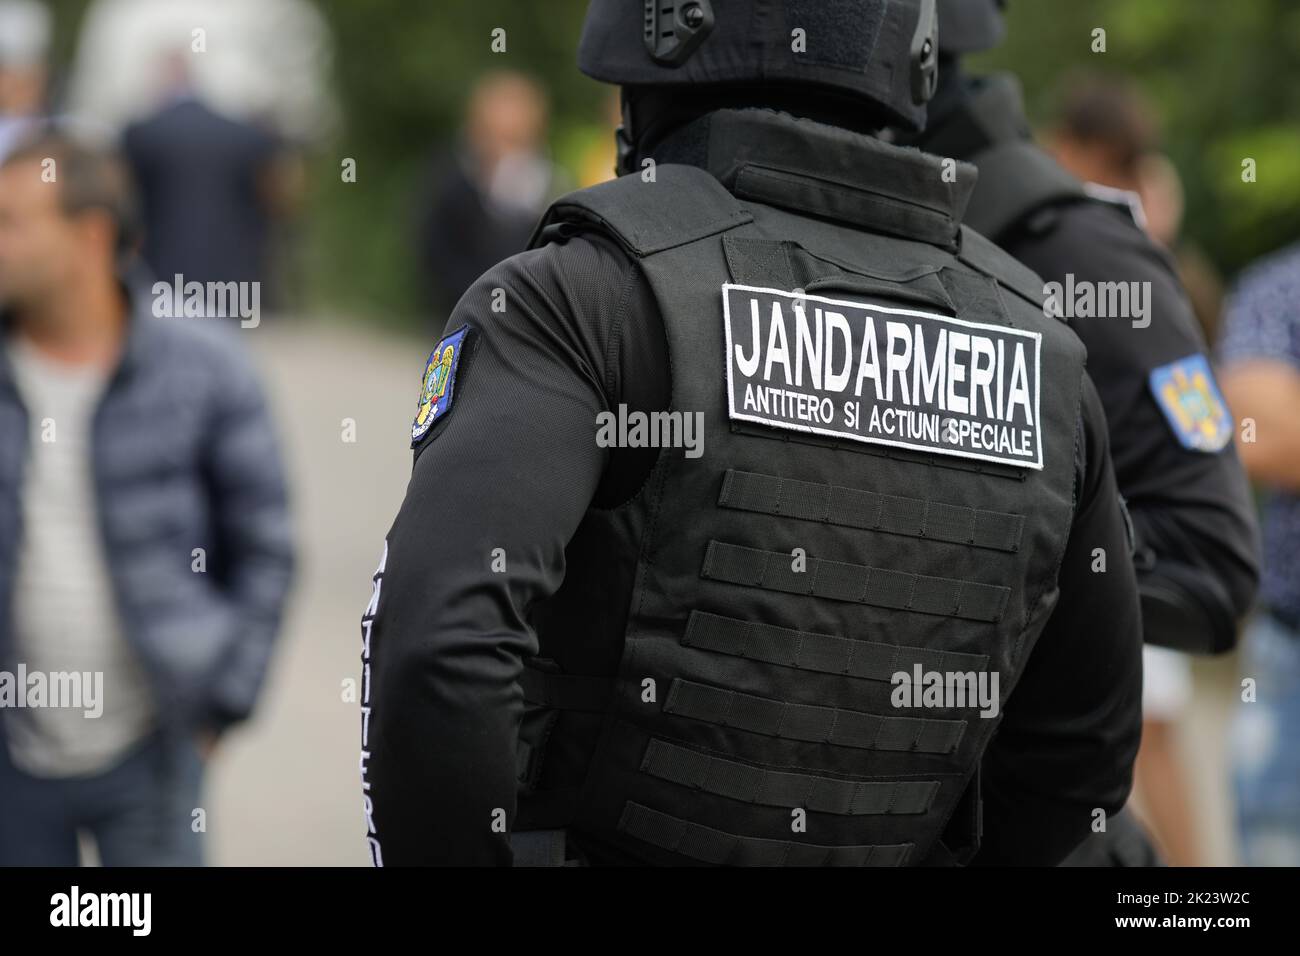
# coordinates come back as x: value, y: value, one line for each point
x: 1224, y: 77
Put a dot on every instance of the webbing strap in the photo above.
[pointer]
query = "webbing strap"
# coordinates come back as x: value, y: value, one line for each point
x: 721, y: 848
x: 771, y: 787
x: 850, y: 507
x: 824, y: 653
x: 841, y: 581
x: 809, y: 722
x: 565, y: 691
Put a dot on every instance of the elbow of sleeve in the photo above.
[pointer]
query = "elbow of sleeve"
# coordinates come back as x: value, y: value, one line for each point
x: 1243, y: 585
x: 1195, y: 610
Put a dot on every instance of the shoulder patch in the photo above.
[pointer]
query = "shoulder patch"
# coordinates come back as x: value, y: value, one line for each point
x: 1186, y: 392
x: 437, y: 388
x: 885, y: 376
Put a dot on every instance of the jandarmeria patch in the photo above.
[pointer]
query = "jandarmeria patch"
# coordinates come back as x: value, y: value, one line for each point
x: 885, y: 376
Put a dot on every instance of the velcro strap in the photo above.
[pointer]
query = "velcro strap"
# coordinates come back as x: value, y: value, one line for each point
x: 757, y: 261
x: 824, y: 653
x: 852, y: 508
x: 708, y: 845
x: 841, y: 581
x: 565, y: 691
x: 809, y: 722
x: 783, y: 788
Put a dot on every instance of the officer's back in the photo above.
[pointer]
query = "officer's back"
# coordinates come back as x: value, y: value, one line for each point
x: 730, y: 540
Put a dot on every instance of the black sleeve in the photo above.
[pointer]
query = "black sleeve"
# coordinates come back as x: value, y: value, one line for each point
x: 1192, y: 511
x: 1071, y: 727
x: 499, y: 486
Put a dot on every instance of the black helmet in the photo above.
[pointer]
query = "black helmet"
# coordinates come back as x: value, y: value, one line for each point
x: 969, y: 26
x: 884, y: 51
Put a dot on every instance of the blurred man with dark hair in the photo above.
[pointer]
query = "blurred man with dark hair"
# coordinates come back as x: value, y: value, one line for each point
x: 1108, y: 135
x: 488, y: 192
x: 1105, y: 130
x: 144, y: 534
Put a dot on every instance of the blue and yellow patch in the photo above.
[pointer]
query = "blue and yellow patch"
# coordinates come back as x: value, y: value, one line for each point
x: 438, y: 387
x: 1188, y: 395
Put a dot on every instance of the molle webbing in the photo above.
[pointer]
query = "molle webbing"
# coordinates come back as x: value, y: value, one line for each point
x: 869, y: 510
x: 778, y: 787
x: 709, y: 845
x: 822, y: 653
x: 810, y: 722
x: 842, y: 581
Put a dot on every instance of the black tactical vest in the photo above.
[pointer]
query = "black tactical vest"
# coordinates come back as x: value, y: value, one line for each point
x: 784, y: 577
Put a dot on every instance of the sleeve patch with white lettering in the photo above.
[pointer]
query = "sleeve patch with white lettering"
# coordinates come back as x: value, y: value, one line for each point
x: 437, y: 388
x: 885, y: 376
x: 1186, y: 392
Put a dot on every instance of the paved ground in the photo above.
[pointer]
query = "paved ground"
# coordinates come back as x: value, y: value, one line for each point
x: 286, y: 790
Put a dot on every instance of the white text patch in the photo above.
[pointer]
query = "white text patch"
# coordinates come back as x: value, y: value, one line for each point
x: 881, y: 375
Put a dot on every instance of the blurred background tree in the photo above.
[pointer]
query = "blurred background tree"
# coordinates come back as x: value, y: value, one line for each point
x: 1224, y: 77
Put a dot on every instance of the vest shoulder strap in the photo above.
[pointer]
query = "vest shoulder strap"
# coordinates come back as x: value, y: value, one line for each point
x: 983, y: 256
x: 683, y: 204
x: 1016, y: 178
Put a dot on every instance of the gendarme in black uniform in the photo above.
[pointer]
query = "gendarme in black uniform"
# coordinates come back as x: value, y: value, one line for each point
x: 690, y: 658
x: 1198, y: 543
x: 1170, y: 429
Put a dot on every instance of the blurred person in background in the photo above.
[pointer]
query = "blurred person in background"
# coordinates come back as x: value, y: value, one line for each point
x: 209, y: 185
x: 1260, y: 361
x: 260, y: 68
x: 24, y: 43
x: 262, y: 61
x: 144, y: 527
x: 1108, y: 135
x: 487, y: 192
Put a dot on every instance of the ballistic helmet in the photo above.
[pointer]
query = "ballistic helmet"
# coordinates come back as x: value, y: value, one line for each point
x: 969, y: 26
x: 884, y: 52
